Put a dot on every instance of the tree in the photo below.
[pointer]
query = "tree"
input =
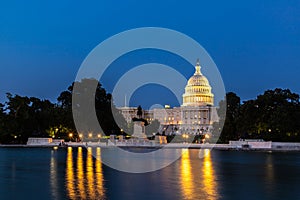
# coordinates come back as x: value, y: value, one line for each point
x: 87, y: 98
x: 3, y: 123
x: 272, y: 116
x: 26, y: 117
x: 232, y: 108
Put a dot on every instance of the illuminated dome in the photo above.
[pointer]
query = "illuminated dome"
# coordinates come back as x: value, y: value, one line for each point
x: 198, y: 91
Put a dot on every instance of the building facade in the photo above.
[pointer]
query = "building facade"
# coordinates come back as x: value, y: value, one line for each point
x: 196, y: 114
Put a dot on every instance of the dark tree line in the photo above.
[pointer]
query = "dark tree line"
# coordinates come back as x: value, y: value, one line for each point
x: 23, y: 117
x: 274, y: 115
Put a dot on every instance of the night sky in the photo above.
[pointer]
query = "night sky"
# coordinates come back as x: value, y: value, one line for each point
x: 255, y: 44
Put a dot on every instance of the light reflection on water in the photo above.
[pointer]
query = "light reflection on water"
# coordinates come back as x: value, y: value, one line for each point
x: 209, y: 179
x: 54, y: 177
x: 80, y: 174
x: 87, y: 182
x: 186, y: 174
x: 85, y: 178
x: 72, y: 173
x: 99, y: 174
x: 197, y: 176
x: 218, y: 175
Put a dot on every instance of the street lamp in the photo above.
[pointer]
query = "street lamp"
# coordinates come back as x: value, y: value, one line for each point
x: 80, y: 137
x: 70, y: 135
x: 185, y: 136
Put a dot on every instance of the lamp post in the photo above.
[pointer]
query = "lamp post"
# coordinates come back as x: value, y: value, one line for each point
x: 206, y: 136
x: 185, y: 136
x: 80, y: 136
x: 70, y: 135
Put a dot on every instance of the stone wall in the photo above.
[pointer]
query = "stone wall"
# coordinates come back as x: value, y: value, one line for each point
x: 39, y: 141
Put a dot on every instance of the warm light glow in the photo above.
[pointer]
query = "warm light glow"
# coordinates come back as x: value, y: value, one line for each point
x: 99, y: 173
x: 80, y: 135
x: 90, y: 135
x: 90, y: 174
x: 209, y: 183
x: 198, y: 90
x: 71, y: 135
x: 185, y: 136
x: 54, y: 176
x: 206, y: 136
x: 70, y: 174
x: 99, y: 136
x: 87, y: 181
x: 186, y: 175
x: 55, y: 148
x: 80, y: 174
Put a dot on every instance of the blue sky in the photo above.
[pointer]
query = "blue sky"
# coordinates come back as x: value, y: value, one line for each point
x: 255, y: 44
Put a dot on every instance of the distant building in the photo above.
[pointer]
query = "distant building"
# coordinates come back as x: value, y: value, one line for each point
x: 196, y: 114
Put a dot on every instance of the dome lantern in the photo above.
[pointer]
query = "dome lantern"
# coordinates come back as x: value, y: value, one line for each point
x: 198, y: 68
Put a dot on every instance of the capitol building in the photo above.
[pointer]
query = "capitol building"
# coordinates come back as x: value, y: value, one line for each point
x: 195, y: 116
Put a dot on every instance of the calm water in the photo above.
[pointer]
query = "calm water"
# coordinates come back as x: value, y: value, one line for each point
x: 40, y: 173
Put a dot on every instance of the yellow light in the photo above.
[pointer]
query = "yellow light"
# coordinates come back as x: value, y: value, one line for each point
x: 80, y: 135
x: 71, y: 135
x: 55, y: 148
x: 206, y: 136
x: 90, y: 135
x: 99, y: 135
x: 89, y: 174
x: 80, y: 176
x: 186, y: 175
x: 70, y: 175
x: 209, y: 184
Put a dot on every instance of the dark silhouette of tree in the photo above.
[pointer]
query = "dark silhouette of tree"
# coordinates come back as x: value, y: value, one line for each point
x: 232, y: 107
x: 271, y: 116
x: 88, y: 99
